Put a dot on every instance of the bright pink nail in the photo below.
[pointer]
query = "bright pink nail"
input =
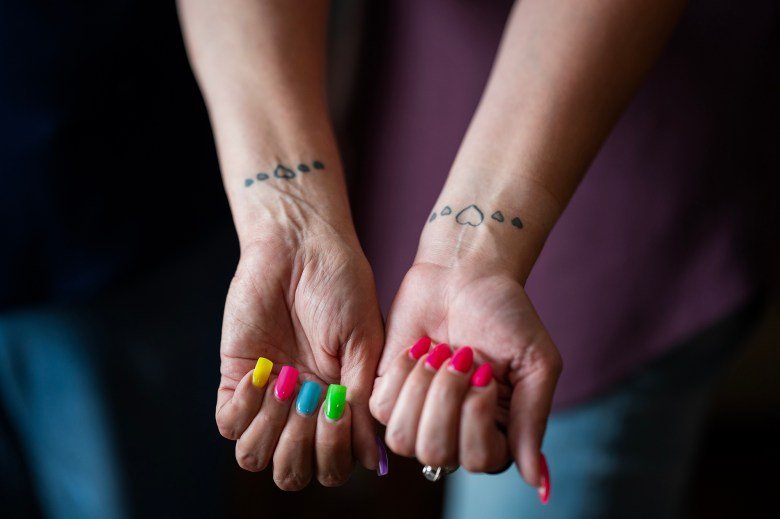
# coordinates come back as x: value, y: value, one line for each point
x: 420, y: 348
x: 285, y: 384
x: 482, y: 376
x: 463, y: 359
x: 544, y: 488
x: 439, y: 354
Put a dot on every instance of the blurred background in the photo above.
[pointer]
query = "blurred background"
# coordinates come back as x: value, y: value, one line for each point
x: 116, y: 250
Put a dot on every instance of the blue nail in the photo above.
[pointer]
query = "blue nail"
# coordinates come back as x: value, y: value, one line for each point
x: 308, y: 398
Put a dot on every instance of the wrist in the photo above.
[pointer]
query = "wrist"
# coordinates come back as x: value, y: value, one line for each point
x: 488, y: 228
x: 295, y: 198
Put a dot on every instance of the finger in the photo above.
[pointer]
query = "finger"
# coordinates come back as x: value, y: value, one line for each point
x: 437, y: 435
x: 333, y: 438
x: 532, y: 395
x: 388, y: 386
x: 295, y: 448
x: 236, y: 413
x: 358, y: 368
x: 255, y: 447
x: 483, y: 447
x: 402, y: 427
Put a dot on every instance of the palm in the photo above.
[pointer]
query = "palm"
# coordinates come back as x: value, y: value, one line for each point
x: 490, y: 313
x: 300, y: 306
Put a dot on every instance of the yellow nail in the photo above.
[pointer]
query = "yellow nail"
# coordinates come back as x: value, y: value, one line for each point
x: 262, y: 372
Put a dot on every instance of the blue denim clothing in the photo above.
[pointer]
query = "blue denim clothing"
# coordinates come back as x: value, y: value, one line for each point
x: 627, y: 453
x: 50, y: 391
x: 106, y: 409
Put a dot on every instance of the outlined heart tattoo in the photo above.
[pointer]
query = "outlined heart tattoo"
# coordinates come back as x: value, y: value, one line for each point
x: 471, y: 215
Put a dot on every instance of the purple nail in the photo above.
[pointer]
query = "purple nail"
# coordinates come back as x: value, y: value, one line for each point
x: 384, y: 467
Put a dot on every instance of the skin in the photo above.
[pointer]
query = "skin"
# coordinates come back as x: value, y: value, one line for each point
x: 303, y: 293
x: 563, y: 74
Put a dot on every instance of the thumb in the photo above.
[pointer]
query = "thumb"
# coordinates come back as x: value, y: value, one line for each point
x: 359, y: 359
x: 533, y: 386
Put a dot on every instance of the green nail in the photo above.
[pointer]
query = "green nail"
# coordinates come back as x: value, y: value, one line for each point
x: 334, y: 401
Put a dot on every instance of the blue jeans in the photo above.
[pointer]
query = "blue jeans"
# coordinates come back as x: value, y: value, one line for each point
x: 107, y: 408
x: 628, y: 453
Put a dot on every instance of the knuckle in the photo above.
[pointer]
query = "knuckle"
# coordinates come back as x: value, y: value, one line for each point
x: 250, y: 461
x: 379, y: 409
x: 332, y: 479
x: 399, y: 442
x: 226, y: 428
x: 434, y: 455
x: 475, y: 460
x: 291, y: 481
x: 479, y: 407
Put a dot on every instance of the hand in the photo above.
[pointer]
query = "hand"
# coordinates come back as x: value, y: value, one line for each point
x: 433, y: 414
x: 303, y: 296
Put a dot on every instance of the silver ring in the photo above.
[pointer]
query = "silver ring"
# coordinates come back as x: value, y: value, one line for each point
x: 434, y: 474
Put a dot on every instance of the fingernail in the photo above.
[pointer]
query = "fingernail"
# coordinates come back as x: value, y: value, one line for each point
x: 420, y: 348
x: 384, y: 466
x: 544, y: 488
x: 308, y: 398
x: 439, y: 354
x: 285, y: 384
x: 262, y: 372
x: 334, y: 401
x: 463, y: 359
x: 482, y: 376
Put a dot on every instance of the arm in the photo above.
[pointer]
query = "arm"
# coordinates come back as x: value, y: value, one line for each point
x: 563, y: 73
x: 303, y: 294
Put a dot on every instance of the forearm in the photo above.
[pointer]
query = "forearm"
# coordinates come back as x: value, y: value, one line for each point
x: 261, y: 68
x: 563, y: 74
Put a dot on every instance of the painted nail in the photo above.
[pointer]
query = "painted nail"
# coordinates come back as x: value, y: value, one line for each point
x: 420, y: 348
x: 463, y: 359
x: 308, y: 398
x: 544, y: 488
x: 482, y: 376
x: 262, y: 372
x: 439, y: 354
x: 285, y: 384
x: 334, y: 401
x: 384, y: 466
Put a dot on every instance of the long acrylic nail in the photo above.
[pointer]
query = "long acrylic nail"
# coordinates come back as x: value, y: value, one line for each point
x: 439, y: 354
x: 482, y: 376
x: 544, y: 488
x: 384, y: 465
x: 285, y: 384
x: 334, y: 401
x: 420, y: 348
x: 262, y: 372
x: 308, y: 398
x: 463, y: 359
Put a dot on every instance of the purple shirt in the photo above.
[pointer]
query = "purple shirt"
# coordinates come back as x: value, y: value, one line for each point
x: 652, y: 247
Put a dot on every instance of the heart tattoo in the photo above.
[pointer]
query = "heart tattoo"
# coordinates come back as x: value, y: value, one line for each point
x: 284, y: 173
x: 471, y: 215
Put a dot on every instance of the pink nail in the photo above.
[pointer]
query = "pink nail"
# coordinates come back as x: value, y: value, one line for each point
x: 439, y: 354
x: 463, y: 359
x: 285, y: 384
x: 544, y: 488
x: 420, y: 348
x: 482, y: 376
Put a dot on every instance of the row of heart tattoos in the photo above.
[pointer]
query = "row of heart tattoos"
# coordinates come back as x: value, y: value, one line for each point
x: 473, y: 216
x: 283, y: 172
